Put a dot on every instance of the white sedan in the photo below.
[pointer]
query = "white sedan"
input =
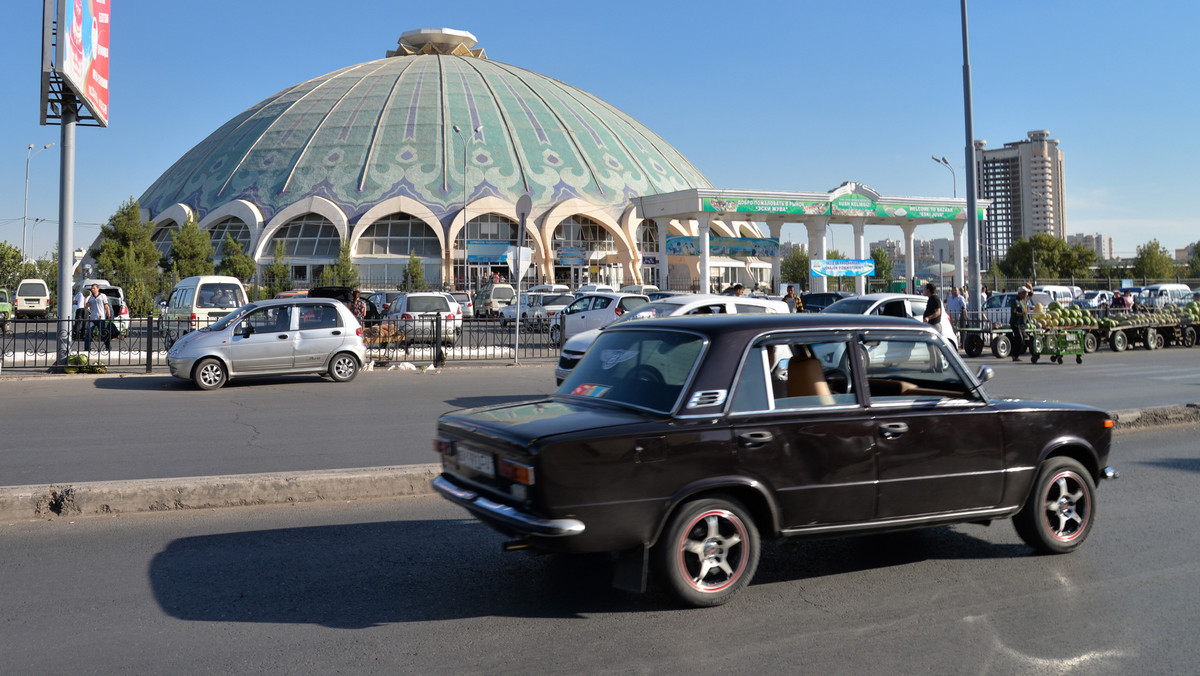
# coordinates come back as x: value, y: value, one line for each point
x: 593, y: 311
x: 671, y: 306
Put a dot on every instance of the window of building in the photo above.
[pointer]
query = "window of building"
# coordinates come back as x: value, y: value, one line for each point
x: 399, y: 234
x: 306, y: 236
x: 583, y: 232
x: 229, y: 226
x: 163, y: 235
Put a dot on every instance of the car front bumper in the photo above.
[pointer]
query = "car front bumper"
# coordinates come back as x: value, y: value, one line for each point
x: 504, y: 517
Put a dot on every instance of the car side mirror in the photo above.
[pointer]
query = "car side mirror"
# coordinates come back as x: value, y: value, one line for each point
x: 985, y: 374
x: 248, y: 329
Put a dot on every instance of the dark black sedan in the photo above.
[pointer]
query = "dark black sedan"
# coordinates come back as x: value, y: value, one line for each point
x: 680, y: 443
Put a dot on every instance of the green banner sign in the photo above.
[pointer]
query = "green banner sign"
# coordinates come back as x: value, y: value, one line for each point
x: 765, y: 206
x: 846, y: 205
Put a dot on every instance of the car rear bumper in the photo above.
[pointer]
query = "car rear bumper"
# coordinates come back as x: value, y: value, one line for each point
x: 504, y: 516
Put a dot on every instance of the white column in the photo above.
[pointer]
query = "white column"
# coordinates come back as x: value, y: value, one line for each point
x: 664, y: 227
x: 776, y: 226
x: 960, y: 254
x: 816, y: 248
x: 703, y: 229
x: 910, y: 254
x: 860, y: 251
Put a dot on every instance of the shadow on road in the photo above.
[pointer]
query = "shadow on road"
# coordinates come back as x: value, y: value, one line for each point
x: 365, y: 575
x: 473, y: 402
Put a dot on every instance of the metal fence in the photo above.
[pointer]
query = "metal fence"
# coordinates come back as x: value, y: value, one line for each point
x: 143, y: 342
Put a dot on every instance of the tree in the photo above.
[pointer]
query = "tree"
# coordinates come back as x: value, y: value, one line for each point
x: 884, y: 269
x: 277, y: 276
x: 1048, y: 253
x: 414, y: 276
x: 191, y: 251
x: 236, y: 262
x: 1153, y: 261
x: 1077, y: 262
x: 794, y: 267
x: 345, y: 272
x: 10, y: 265
x: 1194, y: 261
x: 126, y: 251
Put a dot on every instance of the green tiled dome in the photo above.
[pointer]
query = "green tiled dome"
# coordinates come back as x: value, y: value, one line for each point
x: 387, y: 128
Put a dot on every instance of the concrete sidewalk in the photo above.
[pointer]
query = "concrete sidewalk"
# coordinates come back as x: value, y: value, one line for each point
x: 153, y: 495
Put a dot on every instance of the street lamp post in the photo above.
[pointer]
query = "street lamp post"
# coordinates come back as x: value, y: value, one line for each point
x: 953, y: 176
x: 458, y: 132
x: 25, y: 218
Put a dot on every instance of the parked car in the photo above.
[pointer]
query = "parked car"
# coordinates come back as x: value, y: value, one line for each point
x: 464, y: 300
x: 901, y: 305
x: 272, y: 337
x: 199, y: 301
x: 417, y: 317
x: 551, y: 288
x: 345, y: 295
x: 695, y: 304
x: 642, y: 289
x: 383, y: 300
x: 32, y: 299
x: 1162, y: 295
x: 116, y: 300
x: 682, y: 443
x: 545, y: 310
x: 594, y: 288
x: 815, y: 301
x: 6, y: 310
x: 591, y: 311
x: 522, y: 309
x: 1094, y: 300
x: 659, y: 295
x: 492, y: 297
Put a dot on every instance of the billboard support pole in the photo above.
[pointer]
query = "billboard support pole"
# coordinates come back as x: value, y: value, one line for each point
x: 66, y: 225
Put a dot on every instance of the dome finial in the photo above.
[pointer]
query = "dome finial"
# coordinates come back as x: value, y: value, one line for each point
x: 437, y: 41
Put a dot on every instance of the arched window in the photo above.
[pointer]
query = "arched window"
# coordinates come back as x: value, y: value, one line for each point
x: 399, y: 234
x: 228, y: 226
x: 581, y: 231
x: 306, y: 236
x: 647, y: 236
x: 163, y: 235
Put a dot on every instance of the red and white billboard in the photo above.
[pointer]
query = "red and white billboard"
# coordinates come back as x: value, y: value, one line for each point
x: 83, y: 52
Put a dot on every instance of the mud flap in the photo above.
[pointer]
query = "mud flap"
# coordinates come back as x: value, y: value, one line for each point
x: 631, y: 571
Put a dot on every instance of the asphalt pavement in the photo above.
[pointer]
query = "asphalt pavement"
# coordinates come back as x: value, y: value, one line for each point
x: 83, y: 498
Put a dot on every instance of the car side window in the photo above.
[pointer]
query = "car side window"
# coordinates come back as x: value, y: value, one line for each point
x: 911, y: 370
x: 580, y: 305
x: 710, y: 309
x: 918, y: 307
x: 268, y: 320
x: 318, y: 316
x: 748, y: 309
x: 782, y: 374
x: 600, y: 302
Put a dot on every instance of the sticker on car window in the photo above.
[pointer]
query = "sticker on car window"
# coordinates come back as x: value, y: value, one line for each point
x: 589, y: 390
x: 610, y: 358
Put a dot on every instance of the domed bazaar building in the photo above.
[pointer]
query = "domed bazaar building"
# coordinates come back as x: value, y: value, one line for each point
x: 426, y: 152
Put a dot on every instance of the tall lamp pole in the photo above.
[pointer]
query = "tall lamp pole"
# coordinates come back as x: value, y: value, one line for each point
x: 459, y: 133
x: 25, y: 218
x: 953, y: 176
x: 972, y: 214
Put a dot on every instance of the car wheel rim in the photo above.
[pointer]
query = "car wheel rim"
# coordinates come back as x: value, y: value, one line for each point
x: 712, y: 551
x: 344, y: 367
x: 210, y: 374
x: 1068, y: 506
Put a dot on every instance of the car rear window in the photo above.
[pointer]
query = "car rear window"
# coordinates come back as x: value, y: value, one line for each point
x: 646, y: 369
x: 428, y: 304
x: 32, y: 289
x: 850, y: 306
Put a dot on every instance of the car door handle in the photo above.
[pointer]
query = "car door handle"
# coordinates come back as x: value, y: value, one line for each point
x: 337, y: 333
x: 283, y: 336
x: 755, y: 439
x: 893, y: 430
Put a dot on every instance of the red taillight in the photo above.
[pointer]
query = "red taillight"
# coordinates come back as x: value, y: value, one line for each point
x: 516, y: 472
x: 193, y: 319
x: 619, y: 311
x: 358, y: 332
x: 407, y: 316
x: 386, y: 306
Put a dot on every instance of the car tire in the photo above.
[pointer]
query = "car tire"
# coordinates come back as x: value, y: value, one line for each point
x: 709, y: 551
x: 343, y: 367
x: 1061, y: 509
x: 210, y: 374
x: 973, y: 345
x: 1001, y: 346
x: 1090, y: 342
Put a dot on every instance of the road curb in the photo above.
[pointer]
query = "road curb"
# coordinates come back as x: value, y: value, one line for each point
x: 155, y: 495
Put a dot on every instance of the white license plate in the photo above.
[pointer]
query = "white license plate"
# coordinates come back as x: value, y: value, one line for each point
x: 480, y: 462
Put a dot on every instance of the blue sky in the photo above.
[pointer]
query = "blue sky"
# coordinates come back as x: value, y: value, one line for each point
x: 794, y: 95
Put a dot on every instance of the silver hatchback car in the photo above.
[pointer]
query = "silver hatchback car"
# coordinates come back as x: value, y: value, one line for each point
x: 272, y: 337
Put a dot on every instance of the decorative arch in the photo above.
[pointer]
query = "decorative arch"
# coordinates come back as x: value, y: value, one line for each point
x: 179, y: 213
x: 314, y: 205
x: 491, y: 205
x: 242, y: 210
x: 400, y: 204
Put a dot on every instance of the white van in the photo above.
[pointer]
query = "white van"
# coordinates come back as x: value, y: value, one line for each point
x: 1062, y: 294
x: 32, y: 299
x: 491, y: 298
x: 551, y: 288
x: 1162, y: 295
x: 197, y: 302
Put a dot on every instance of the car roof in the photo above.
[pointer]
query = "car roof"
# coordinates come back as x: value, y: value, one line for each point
x: 715, y: 324
x: 297, y: 300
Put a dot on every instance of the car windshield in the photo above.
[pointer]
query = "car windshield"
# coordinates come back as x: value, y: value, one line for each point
x: 850, y: 306
x: 228, y: 319
x: 560, y: 299
x: 646, y: 369
x: 648, y: 311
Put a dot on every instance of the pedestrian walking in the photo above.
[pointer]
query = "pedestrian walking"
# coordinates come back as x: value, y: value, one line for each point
x: 81, y: 315
x: 956, y: 307
x: 100, y: 313
x: 793, y: 301
x: 1018, y: 312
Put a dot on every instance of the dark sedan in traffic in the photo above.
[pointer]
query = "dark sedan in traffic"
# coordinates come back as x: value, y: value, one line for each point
x: 682, y: 443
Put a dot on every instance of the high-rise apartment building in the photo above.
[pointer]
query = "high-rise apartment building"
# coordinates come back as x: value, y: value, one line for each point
x: 1101, y: 244
x: 1024, y: 181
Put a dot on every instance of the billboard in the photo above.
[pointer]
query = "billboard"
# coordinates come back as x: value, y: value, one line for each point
x: 82, y: 51
x: 852, y: 267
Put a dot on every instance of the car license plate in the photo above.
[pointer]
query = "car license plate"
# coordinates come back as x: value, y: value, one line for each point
x: 480, y: 462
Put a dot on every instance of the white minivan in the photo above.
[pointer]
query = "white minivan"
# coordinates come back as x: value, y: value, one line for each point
x: 1162, y: 295
x: 32, y: 299
x: 197, y: 302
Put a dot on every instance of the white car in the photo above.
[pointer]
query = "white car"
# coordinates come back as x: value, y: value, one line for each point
x: 508, y: 313
x: 417, y: 317
x: 893, y: 305
x: 672, y: 306
x: 546, y: 309
x: 592, y: 311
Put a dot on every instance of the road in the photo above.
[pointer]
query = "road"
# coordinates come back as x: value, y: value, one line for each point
x: 68, y: 429
x: 412, y: 586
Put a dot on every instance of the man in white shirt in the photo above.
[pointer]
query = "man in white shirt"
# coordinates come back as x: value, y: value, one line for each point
x: 956, y: 306
x: 100, y: 312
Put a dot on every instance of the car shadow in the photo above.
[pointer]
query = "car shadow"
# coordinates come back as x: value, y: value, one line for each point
x: 1185, y: 464
x: 171, y: 383
x: 370, y: 574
